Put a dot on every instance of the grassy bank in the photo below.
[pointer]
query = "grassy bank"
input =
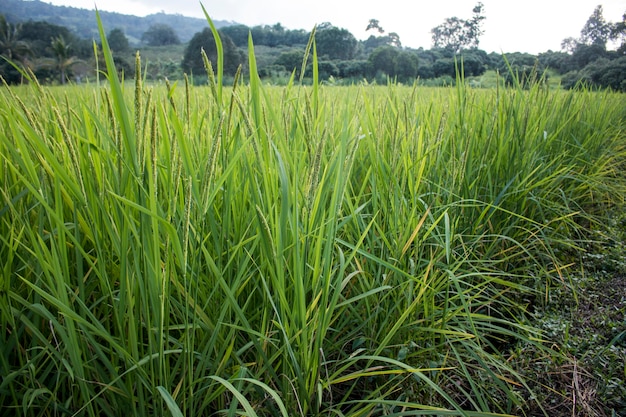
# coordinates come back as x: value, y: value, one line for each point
x: 288, y: 251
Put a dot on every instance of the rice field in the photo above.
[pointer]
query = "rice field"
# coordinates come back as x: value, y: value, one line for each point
x: 280, y: 251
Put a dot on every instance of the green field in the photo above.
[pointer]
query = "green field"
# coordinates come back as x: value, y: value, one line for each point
x: 298, y: 250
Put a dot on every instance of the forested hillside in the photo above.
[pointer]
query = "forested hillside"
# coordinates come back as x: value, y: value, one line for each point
x: 82, y: 22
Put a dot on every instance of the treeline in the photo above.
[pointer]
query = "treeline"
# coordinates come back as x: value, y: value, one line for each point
x: 583, y: 60
x: 56, y: 54
x: 53, y: 53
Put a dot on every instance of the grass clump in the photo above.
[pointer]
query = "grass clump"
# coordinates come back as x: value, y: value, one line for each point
x: 287, y: 251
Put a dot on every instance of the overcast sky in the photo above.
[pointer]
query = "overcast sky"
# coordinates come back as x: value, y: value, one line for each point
x: 511, y: 26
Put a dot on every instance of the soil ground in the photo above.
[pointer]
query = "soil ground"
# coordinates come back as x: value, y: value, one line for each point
x: 586, y: 322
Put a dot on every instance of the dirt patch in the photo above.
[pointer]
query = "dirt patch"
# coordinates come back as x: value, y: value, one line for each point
x: 584, y: 375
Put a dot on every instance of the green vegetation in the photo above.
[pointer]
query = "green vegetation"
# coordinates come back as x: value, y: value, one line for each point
x: 82, y: 22
x: 586, y: 322
x: 458, y: 34
x: 343, y: 60
x: 303, y: 250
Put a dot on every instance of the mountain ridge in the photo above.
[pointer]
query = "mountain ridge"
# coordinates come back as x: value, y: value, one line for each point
x: 83, y: 23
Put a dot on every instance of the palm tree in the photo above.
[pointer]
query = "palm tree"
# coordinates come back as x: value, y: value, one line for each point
x: 11, y: 47
x: 63, y: 56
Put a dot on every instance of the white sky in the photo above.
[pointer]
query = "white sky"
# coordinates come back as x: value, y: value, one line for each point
x: 511, y: 26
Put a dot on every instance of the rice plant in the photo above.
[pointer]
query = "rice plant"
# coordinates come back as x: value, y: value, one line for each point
x: 255, y: 250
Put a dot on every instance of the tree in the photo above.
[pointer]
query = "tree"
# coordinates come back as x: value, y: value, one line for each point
x: 160, y: 34
x: 405, y: 66
x: 326, y: 69
x: 521, y: 68
x: 11, y: 45
x: 13, y: 49
x: 596, y: 31
x: 335, y: 43
x: 276, y: 34
x: 618, y: 32
x: 585, y: 54
x: 602, y: 73
x: 559, y: 61
x: 239, y: 34
x: 296, y: 37
x: 449, y: 35
x: 473, y: 26
x: 457, y: 34
x: 63, y: 57
x: 192, y: 59
x: 474, y: 62
x: 264, y: 35
x: 382, y: 60
x: 374, y: 24
x: 394, y: 40
x: 39, y: 34
x: 444, y: 67
x: 291, y: 60
x: 273, y: 35
x: 427, y: 60
x: 569, y: 44
x: 352, y: 69
x: 118, y: 42
x: 373, y: 42
x: 610, y: 74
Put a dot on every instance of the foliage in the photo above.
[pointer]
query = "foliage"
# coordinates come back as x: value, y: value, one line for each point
x: 291, y: 60
x: 602, y: 73
x: 275, y: 35
x: 474, y: 62
x: 525, y: 76
x: 590, y: 63
x: 365, y: 250
x: 405, y: 66
x: 12, y: 50
x: 437, y: 63
x: 373, y: 42
x: 193, y: 62
x: 353, y: 61
x: 12, y: 47
x: 382, y: 59
x: 354, y: 69
x: 63, y: 57
x: 559, y: 61
x: 118, y: 41
x: 83, y: 24
x: 160, y: 34
x: 618, y: 32
x: 584, y: 55
x: 327, y: 70
x: 374, y: 24
x: 457, y: 34
x: 266, y: 35
x: 393, y: 62
x: 335, y: 43
x: 269, y: 35
x: 596, y: 30
x: 39, y: 34
x: 594, y: 34
x: 239, y: 34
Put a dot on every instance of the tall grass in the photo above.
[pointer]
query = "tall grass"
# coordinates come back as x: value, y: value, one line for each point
x: 254, y: 250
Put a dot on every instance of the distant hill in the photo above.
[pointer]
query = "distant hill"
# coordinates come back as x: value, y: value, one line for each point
x: 82, y: 22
